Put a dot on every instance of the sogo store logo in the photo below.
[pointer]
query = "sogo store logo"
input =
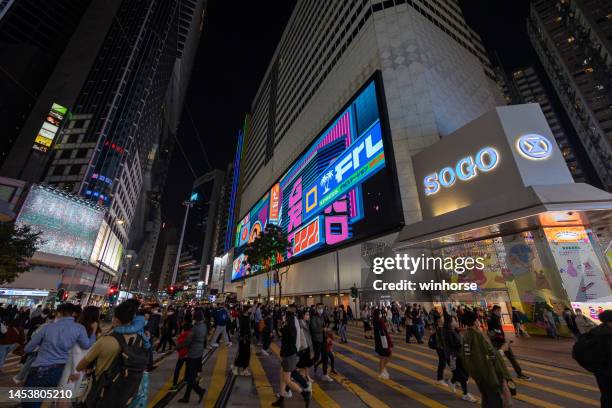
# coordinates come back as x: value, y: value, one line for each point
x: 485, y: 160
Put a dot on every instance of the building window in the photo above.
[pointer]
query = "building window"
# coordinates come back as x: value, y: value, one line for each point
x: 65, y: 154
x: 74, y: 170
x: 81, y: 153
x: 59, y: 170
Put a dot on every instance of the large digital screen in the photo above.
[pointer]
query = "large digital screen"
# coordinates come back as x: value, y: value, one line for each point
x: 69, y: 226
x: 341, y: 189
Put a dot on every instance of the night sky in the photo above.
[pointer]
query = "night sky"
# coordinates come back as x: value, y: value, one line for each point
x: 238, y: 41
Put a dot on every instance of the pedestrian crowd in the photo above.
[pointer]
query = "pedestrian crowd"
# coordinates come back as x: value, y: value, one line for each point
x: 66, y: 347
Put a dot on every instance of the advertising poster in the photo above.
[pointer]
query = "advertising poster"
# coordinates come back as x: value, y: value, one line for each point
x: 580, y: 269
x: 593, y: 309
x: 69, y: 226
x: 340, y: 189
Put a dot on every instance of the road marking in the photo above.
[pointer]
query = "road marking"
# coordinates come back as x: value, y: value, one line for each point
x: 320, y: 396
x: 166, y: 388
x: 522, y: 397
x: 525, y: 362
x: 217, y: 380
x: 531, y: 373
x: 264, y: 389
x: 428, y: 402
x: 362, y: 394
x: 401, y: 369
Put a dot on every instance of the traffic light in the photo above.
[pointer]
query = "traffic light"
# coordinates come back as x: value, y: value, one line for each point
x: 113, y: 294
x: 354, y: 292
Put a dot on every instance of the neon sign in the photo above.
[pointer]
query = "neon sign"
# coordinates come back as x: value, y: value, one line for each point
x: 466, y: 169
x: 50, y: 127
x: 337, y: 191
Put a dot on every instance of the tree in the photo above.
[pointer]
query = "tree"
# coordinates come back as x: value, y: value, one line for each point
x: 266, y: 252
x: 17, y: 245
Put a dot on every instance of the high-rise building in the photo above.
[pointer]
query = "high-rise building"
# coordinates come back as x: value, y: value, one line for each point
x: 203, y: 224
x: 526, y: 87
x: 432, y: 76
x: 33, y: 36
x: 573, y: 41
x: 319, y: 38
x: 122, y: 78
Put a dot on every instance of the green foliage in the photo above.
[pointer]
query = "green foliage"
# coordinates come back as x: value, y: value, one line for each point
x: 17, y: 245
x: 266, y: 251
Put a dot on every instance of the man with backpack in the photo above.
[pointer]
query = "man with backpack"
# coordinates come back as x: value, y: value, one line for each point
x: 221, y: 318
x: 119, y: 363
x: 593, y: 351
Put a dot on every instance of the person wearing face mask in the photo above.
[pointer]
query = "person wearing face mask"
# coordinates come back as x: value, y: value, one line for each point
x: 452, y: 351
x: 583, y: 323
x: 290, y: 344
x: 498, y: 339
x: 317, y: 332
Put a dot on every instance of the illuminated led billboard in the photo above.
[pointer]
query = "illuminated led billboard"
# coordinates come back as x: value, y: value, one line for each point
x: 50, y: 127
x: 69, y: 226
x: 341, y: 189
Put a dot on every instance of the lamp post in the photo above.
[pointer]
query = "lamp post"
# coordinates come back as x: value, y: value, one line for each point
x: 188, y: 204
x: 93, y: 286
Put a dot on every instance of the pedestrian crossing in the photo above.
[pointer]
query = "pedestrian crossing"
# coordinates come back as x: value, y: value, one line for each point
x: 412, y: 381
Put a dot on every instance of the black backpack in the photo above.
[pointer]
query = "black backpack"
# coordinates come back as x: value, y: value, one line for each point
x: 590, y: 352
x: 119, y: 383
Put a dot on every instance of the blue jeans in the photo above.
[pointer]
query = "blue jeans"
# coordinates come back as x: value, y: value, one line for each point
x: 5, y: 349
x: 42, y: 377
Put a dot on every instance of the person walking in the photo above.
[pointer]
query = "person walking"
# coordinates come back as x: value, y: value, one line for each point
x: 484, y: 364
x: 436, y: 342
x: 408, y: 323
x: 317, y: 333
x: 221, y: 318
x: 167, y: 332
x: 194, y: 342
x: 452, y: 350
x: 289, y: 359
x: 13, y: 338
x: 181, y: 350
x: 54, y: 342
x: 266, y: 333
x: 241, y: 362
x: 306, y: 354
x: 72, y: 379
x: 549, y: 321
x: 498, y: 339
x: 517, y: 322
x: 382, y: 343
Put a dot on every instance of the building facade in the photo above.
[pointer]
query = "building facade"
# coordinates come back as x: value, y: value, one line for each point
x: 435, y: 80
x: 526, y: 87
x: 572, y: 40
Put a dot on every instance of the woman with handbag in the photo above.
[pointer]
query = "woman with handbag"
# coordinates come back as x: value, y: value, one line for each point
x: 382, y: 342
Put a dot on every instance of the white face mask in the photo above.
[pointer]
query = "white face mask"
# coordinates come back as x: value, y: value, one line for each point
x: 320, y: 311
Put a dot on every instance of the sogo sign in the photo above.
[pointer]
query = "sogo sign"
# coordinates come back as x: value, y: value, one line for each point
x: 466, y: 169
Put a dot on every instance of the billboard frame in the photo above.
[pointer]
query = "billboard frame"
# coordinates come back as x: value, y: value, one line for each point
x: 390, y: 166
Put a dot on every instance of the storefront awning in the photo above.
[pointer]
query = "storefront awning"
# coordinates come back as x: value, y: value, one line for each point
x: 505, y: 208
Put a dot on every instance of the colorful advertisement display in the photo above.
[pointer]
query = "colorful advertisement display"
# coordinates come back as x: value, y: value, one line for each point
x: 581, y: 271
x: 48, y: 131
x: 340, y: 189
x: 69, y: 226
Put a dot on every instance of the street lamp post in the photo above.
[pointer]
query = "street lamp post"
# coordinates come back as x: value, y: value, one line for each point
x: 188, y: 205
